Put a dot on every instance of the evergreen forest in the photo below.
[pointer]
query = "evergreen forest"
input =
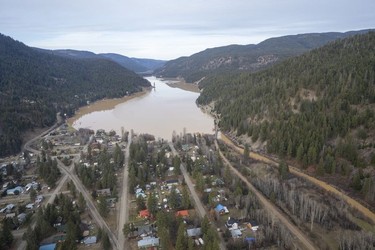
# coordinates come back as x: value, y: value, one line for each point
x: 317, y: 108
x: 36, y: 85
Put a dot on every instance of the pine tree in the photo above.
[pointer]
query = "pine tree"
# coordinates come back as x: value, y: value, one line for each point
x: 181, y: 242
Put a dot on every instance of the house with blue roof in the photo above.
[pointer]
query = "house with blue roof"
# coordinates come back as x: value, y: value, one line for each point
x: 221, y: 209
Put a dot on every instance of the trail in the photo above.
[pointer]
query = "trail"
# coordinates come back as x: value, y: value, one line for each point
x: 324, y: 185
x: 269, y: 206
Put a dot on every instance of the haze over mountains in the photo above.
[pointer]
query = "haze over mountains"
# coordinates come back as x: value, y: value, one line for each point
x: 246, y: 57
x: 138, y: 65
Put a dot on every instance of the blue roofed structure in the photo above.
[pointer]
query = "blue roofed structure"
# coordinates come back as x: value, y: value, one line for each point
x: 48, y: 247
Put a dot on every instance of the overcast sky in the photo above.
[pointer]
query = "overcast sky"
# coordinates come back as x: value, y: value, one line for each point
x: 167, y: 29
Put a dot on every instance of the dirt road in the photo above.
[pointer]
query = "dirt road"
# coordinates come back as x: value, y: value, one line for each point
x: 352, y: 202
x: 124, y: 204
x: 269, y: 206
x: 197, y: 201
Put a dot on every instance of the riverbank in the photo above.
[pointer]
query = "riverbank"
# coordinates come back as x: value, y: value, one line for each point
x: 181, y: 84
x: 105, y: 104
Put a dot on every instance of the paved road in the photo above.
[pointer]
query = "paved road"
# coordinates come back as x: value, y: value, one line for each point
x: 198, y: 204
x: 269, y: 206
x: 124, y: 204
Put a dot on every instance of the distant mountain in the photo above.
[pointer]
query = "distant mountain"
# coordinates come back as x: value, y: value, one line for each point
x: 317, y: 108
x: 36, y: 84
x: 137, y: 65
x: 246, y: 57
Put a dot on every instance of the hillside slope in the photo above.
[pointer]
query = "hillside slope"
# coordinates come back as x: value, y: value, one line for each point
x: 34, y: 85
x: 246, y: 57
x: 138, y: 65
x: 318, y: 108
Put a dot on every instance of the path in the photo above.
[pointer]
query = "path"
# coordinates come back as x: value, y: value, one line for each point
x: 269, y: 206
x: 90, y: 204
x: 124, y: 191
x: 197, y: 201
x: 352, y: 202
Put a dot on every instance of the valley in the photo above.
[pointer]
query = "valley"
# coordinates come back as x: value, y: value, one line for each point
x: 276, y: 153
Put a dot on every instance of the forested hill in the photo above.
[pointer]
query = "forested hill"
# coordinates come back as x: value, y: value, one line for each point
x: 318, y: 108
x: 138, y: 65
x: 246, y: 57
x: 34, y: 86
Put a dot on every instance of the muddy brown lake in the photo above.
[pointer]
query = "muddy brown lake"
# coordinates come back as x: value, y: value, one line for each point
x: 158, y: 111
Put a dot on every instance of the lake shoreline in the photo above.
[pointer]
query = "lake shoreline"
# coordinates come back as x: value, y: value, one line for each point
x: 104, y: 104
x: 181, y: 84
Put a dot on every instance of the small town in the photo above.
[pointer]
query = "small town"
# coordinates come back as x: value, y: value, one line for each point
x: 84, y: 188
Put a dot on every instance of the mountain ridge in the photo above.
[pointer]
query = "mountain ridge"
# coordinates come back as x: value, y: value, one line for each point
x: 138, y: 65
x: 251, y: 57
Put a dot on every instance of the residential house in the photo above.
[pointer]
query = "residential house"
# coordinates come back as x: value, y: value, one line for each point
x: 145, y: 231
x: 182, y: 213
x: 104, y: 192
x: 221, y: 209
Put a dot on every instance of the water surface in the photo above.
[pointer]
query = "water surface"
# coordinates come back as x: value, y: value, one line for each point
x: 159, y: 112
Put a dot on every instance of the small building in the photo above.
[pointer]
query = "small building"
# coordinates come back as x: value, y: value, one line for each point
x: 182, y: 213
x: 145, y: 231
x: 173, y: 182
x: 89, y: 240
x: 51, y: 246
x: 221, y: 209
x: 144, y: 213
x: 148, y: 242
x: 104, y: 192
x: 194, y: 232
